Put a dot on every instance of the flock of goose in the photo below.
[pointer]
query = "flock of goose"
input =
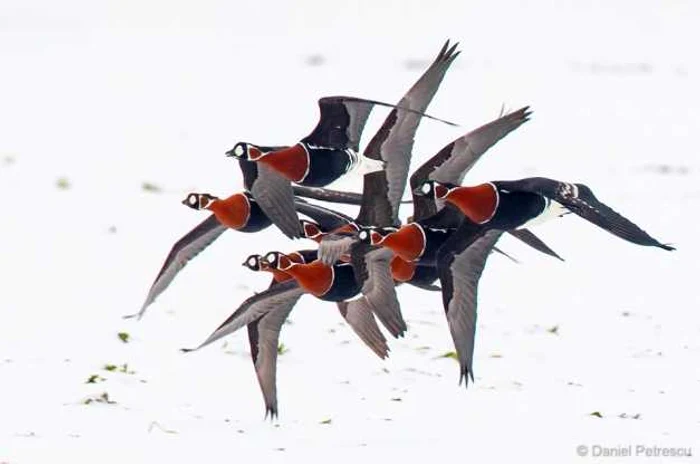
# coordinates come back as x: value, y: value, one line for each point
x: 359, y: 261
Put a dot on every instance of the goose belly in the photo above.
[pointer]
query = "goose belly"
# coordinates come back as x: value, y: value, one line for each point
x: 424, y: 275
x: 552, y: 210
x: 344, y: 284
x: 327, y: 165
x: 434, y: 239
x: 519, y: 209
x: 257, y: 221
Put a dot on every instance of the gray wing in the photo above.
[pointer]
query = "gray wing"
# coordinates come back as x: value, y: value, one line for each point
x: 454, y: 160
x: 393, y: 143
x: 358, y: 314
x: 460, y: 271
x: 181, y: 253
x: 359, y: 112
x: 467, y: 149
x: 419, y: 96
x: 275, y: 196
x: 263, y: 335
x: 380, y: 291
x: 282, y: 295
x: 396, y: 149
x: 333, y: 246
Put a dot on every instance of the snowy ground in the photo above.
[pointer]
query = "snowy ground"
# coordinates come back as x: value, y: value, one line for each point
x: 98, y: 98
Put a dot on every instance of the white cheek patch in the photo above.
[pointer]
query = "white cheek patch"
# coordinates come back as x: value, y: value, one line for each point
x: 271, y: 258
x: 426, y: 188
x: 252, y: 262
x: 192, y: 200
x: 238, y: 151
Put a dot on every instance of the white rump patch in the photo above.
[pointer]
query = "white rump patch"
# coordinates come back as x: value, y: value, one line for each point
x: 552, y: 210
x: 367, y: 165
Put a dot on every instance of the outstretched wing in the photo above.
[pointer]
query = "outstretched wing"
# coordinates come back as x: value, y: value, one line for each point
x: 181, y: 253
x: 282, y: 295
x: 249, y: 169
x: 358, y: 314
x: 328, y: 219
x: 333, y: 246
x: 274, y: 194
x: 329, y: 195
x: 372, y: 269
x: 342, y: 121
x: 579, y: 199
x: 525, y: 236
x: 460, y: 265
x: 455, y: 159
x: 263, y: 335
x: 393, y: 144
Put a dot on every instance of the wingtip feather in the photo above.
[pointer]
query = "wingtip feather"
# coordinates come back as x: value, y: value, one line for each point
x: 271, y: 412
x: 138, y: 316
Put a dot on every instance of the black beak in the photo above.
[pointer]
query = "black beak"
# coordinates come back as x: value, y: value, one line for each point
x: 418, y: 191
x: 230, y: 153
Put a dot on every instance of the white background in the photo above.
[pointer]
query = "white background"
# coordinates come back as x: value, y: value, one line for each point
x: 109, y: 95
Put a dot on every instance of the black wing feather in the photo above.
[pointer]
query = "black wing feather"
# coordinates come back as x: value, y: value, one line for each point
x: 534, y: 241
x: 327, y: 218
x: 580, y: 200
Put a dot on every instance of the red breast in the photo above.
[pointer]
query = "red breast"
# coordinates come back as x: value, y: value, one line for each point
x: 292, y: 162
x: 316, y: 278
x: 233, y: 211
x: 402, y: 271
x: 478, y: 203
x: 408, y: 242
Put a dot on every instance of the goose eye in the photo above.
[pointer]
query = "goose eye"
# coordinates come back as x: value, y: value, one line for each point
x: 426, y: 188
